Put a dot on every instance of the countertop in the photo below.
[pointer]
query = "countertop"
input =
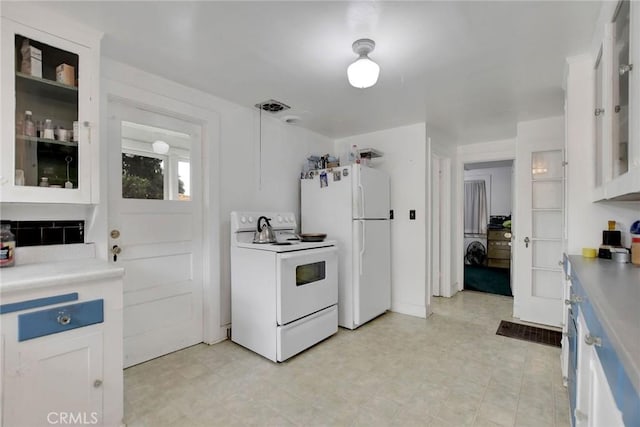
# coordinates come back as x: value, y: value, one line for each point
x: 613, y: 290
x: 51, y: 274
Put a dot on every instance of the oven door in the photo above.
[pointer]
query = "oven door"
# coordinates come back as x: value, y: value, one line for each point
x: 307, y: 281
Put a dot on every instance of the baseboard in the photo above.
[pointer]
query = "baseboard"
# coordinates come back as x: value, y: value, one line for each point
x: 219, y: 337
x: 410, y: 309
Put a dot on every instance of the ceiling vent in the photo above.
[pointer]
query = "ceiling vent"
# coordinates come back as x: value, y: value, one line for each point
x: 272, y: 106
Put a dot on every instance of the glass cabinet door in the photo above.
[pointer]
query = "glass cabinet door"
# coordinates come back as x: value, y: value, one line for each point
x: 599, y: 117
x: 49, y: 106
x: 46, y: 115
x: 621, y: 69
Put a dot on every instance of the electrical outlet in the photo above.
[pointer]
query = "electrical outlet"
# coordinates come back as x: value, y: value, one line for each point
x: 391, y: 214
x: 412, y: 214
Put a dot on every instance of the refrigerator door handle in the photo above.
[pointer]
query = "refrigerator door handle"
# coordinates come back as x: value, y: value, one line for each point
x: 363, y: 246
x: 361, y: 190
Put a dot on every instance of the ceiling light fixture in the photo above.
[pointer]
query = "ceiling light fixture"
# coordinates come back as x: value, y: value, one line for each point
x: 160, y: 147
x: 364, y: 72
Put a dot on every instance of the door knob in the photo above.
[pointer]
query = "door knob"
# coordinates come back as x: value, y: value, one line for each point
x: 526, y: 242
x: 115, y: 250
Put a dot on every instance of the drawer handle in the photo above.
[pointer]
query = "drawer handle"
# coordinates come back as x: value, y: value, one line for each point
x: 97, y: 383
x: 593, y: 340
x: 64, y: 318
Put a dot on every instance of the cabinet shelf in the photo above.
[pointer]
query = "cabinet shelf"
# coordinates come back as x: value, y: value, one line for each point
x: 46, y: 140
x: 46, y: 88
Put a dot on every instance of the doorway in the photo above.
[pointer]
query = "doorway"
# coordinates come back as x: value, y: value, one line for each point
x: 156, y: 228
x: 487, y: 212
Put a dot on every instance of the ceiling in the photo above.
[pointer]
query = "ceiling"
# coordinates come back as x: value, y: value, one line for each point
x: 473, y: 69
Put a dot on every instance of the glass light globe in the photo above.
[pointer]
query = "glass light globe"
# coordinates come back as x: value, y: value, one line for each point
x: 363, y: 73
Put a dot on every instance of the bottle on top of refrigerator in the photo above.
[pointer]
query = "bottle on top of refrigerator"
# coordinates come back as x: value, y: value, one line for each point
x: 353, y: 155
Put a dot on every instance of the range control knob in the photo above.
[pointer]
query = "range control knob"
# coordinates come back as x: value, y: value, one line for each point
x: 243, y: 219
x: 292, y: 220
x: 250, y: 219
x: 279, y: 218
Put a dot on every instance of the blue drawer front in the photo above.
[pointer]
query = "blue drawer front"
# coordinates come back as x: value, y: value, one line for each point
x: 59, y: 319
x: 39, y: 302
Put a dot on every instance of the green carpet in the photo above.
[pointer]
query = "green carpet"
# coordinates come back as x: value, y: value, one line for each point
x: 487, y: 279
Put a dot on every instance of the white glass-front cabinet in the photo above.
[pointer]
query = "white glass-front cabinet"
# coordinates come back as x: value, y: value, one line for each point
x: 617, y: 105
x: 49, y: 87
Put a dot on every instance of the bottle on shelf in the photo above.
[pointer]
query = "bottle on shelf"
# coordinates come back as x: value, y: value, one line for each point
x: 29, y: 126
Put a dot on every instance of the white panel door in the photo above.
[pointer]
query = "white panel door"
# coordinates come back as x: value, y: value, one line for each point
x: 372, y: 269
x: 539, y: 230
x: 371, y: 193
x: 155, y: 222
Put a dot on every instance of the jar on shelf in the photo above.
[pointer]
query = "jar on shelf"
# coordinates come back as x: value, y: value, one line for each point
x: 48, y: 129
x: 29, y: 126
x: 7, y: 245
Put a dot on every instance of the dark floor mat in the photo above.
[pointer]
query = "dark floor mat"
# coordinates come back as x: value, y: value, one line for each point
x: 529, y: 333
x: 487, y: 279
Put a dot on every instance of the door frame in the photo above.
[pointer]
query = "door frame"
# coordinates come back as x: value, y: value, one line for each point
x: 441, y: 220
x: 484, y: 152
x: 151, y: 99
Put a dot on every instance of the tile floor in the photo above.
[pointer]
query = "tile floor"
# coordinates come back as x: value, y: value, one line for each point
x: 448, y: 370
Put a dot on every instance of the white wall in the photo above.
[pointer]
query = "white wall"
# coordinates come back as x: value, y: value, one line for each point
x: 586, y: 220
x: 404, y: 160
x: 499, y: 197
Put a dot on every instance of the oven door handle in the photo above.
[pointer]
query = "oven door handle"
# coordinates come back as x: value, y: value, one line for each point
x: 308, y: 252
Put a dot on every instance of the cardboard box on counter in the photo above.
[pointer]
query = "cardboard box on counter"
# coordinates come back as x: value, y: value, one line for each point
x: 65, y: 74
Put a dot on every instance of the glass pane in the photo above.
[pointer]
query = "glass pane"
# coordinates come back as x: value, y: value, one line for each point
x: 184, y: 180
x: 621, y: 90
x: 155, y: 163
x: 547, y: 195
x: 46, y: 104
x: 546, y: 164
x: 546, y: 254
x: 142, y: 177
x: 547, y: 225
x: 310, y: 273
x: 599, y: 117
x: 547, y: 284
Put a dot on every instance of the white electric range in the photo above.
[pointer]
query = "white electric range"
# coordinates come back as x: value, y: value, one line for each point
x: 284, y: 296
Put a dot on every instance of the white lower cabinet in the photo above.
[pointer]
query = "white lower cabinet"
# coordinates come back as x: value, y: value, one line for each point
x: 595, y: 404
x: 57, y: 380
x: 62, y: 351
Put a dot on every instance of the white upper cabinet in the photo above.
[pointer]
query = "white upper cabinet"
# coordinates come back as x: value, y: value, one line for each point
x: 617, y: 104
x: 49, y: 81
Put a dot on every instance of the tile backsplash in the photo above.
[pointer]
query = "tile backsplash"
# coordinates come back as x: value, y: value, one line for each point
x: 41, y: 233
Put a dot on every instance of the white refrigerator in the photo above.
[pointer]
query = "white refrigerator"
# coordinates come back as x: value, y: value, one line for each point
x: 351, y: 205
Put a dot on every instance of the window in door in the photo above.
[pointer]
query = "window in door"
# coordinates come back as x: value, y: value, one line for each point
x: 155, y: 163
